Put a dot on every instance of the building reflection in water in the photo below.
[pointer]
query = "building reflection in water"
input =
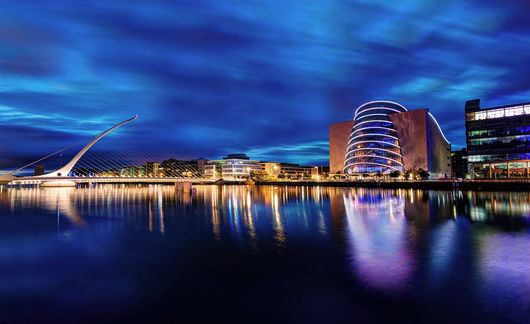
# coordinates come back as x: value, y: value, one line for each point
x: 384, y: 228
x: 55, y: 200
x: 277, y: 217
x: 377, y: 235
x: 435, y: 243
x: 491, y: 206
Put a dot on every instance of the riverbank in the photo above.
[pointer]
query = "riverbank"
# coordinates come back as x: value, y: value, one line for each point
x: 484, y: 185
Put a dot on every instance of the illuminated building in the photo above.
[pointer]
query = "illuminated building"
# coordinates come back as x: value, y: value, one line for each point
x: 201, y: 163
x: 151, y: 169
x: 132, y: 171
x: 108, y: 173
x: 387, y: 137
x: 289, y: 170
x: 211, y: 171
x: 231, y: 167
x: 182, y: 168
x: 498, y: 140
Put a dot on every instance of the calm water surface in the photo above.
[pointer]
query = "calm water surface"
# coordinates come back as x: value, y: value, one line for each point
x: 264, y: 254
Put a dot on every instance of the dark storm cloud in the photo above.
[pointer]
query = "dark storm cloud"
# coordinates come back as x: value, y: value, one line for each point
x: 263, y: 77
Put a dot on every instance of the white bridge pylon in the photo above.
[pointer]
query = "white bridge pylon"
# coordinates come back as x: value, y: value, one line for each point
x: 62, y: 177
x: 67, y: 168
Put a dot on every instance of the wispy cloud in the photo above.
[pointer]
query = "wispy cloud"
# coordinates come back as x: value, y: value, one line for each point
x: 314, y: 152
x: 265, y: 75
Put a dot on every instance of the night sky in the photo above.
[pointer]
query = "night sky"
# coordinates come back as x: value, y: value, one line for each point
x: 261, y: 77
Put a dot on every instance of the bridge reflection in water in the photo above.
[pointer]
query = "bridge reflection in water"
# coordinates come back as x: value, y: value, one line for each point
x: 246, y: 211
x: 457, y: 244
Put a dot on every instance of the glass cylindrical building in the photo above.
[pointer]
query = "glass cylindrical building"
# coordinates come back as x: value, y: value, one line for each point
x: 374, y: 144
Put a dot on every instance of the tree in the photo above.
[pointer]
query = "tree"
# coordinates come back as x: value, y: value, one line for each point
x: 424, y: 175
x: 394, y: 174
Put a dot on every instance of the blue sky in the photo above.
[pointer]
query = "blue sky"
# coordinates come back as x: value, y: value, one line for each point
x: 262, y: 77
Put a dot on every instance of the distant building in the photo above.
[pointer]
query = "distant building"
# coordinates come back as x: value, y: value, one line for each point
x: 498, y: 140
x: 289, y: 170
x: 339, y: 134
x: 39, y: 169
x: 151, y: 169
x: 459, y: 163
x: 232, y: 167
x: 387, y: 137
x: 108, y: 173
x: 182, y: 168
x: 201, y: 163
x: 132, y: 171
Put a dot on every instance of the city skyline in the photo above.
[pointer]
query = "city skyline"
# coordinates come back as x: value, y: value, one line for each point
x: 210, y: 79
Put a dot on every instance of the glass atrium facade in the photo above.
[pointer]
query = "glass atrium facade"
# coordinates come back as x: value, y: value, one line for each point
x: 498, y: 140
x: 374, y: 145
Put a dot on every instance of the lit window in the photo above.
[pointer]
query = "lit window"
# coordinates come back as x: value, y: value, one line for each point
x: 514, y: 111
x: 497, y: 113
x: 480, y: 115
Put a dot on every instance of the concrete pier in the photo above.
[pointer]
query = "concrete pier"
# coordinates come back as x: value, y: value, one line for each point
x: 185, y: 186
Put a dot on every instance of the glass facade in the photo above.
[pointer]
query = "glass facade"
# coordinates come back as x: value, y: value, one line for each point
x: 374, y: 145
x: 498, y: 140
x: 230, y: 168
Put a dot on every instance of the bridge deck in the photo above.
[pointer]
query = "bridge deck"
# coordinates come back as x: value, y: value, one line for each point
x: 38, y: 180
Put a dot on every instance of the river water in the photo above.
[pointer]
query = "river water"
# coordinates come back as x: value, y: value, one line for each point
x: 263, y: 254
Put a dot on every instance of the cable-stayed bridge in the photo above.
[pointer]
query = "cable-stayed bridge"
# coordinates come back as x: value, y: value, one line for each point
x: 106, y: 170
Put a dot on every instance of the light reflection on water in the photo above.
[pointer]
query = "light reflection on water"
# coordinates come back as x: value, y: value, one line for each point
x: 378, y: 238
x: 470, y: 247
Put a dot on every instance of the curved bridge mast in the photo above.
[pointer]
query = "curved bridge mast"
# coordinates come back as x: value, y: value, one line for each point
x: 65, y: 170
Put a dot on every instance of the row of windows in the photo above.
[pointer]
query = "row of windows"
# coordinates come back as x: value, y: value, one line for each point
x: 505, y: 139
x: 372, y: 168
x: 499, y: 113
x: 381, y: 143
x: 496, y: 132
x: 378, y: 123
x: 394, y: 151
x: 501, y: 170
x: 498, y: 157
x: 382, y: 159
x: 374, y: 145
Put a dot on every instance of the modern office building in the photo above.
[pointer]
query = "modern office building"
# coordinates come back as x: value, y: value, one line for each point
x: 387, y: 137
x: 498, y: 140
x: 338, y: 143
x: 232, y: 167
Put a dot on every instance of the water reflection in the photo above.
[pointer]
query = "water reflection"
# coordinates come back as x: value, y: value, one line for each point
x: 378, y: 237
x: 391, y: 239
x: 239, y: 204
x: 245, y: 211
